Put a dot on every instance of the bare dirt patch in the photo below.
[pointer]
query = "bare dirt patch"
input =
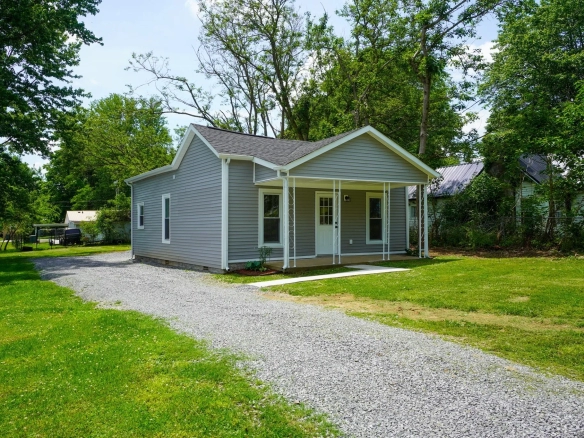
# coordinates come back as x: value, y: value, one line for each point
x: 350, y: 303
x: 519, y: 299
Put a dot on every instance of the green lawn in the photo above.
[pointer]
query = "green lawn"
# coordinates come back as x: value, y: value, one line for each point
x: 530, y: 310
x: 68, y: 368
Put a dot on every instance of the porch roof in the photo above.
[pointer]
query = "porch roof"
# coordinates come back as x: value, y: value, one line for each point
x: 321, y: 183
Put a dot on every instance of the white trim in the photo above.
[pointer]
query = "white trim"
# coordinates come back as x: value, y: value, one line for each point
x: 266, y: 164
x: 369, y: 195
x: 138, y: 226
x: 426, y: 253
x: 164, y: 197
x: 390, y: 144
x: 407, y: 218
x: 388, y: 220
x: 235, y: 157
x: 225, y: 213
x: 294, y: 218
x: 419, y: 212
x: 261, y: 193
x: 317, y: 195
x: 357, y: 180
x: 339, y: 203
x: 286, y: 236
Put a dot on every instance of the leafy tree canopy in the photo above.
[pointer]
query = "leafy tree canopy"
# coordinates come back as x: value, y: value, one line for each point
x: 39, y: 43
x: 116, y: 138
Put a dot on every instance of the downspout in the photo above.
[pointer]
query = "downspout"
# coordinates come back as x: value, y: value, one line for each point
x: 131, y: 220
x: 225, y: 213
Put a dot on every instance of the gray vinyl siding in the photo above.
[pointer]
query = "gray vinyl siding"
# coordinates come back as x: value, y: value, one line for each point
x: 262, y: 173
x: 243, y: 219
x: 195, y: 211
x: 362, y: 158
x: 354, y: 222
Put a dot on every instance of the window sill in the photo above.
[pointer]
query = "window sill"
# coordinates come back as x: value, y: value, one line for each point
x: 374, y: 242
x: 271, y: 245
x: 166, y: 241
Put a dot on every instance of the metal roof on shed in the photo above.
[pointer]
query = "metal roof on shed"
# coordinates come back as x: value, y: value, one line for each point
x: 455, y: 179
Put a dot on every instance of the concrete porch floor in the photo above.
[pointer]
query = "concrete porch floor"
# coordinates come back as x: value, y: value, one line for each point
x: 327, y: 261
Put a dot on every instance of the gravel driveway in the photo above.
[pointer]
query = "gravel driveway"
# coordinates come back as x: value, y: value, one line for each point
x: 372, y: 380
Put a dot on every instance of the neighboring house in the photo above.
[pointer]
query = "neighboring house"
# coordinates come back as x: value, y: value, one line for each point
x: 74, y: 218
x: 456, y: 179
x: 226, y: 194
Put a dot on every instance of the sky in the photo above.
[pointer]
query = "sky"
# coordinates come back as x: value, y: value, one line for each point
x: 169, y: 29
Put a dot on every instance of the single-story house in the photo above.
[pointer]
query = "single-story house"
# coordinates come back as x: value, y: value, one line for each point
x: 74, y: 218
x: 227, y: 194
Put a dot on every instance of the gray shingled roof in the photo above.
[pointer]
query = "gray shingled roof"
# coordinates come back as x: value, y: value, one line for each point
x: 455, y: 179
x: 274, y: 150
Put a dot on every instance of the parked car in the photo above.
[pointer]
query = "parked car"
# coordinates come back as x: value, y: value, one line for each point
x: 72, y: 236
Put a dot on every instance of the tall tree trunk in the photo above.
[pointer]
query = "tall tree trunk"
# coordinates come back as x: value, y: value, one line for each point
x: 426, y: 85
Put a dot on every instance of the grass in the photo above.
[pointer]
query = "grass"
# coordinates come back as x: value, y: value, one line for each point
x: 45, y: 250
x: 529, y: 310
x: 68, y: 368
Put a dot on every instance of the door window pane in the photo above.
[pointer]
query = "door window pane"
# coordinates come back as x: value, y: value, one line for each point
x: 326, y: 211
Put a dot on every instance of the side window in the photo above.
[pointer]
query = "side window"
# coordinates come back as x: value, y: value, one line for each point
x: 270, y: 224
x: 375, y: 218
x: 140, y: 211
x: 166, y: 218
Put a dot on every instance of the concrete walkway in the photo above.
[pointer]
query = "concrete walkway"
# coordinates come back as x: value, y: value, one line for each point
x: 359, y: 270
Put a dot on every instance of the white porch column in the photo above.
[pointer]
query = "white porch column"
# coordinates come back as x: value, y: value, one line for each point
x: 426, y: 253
x: 334, y: 217
x: 224, y: 213
x: 286, y: 217
x: 294, y: 218
x: 419, y: 205
x: 388, y: 213
x: 407, y: 217
x: 339, y: 240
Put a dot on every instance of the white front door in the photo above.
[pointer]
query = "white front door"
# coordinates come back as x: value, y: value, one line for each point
x: 324, y: 223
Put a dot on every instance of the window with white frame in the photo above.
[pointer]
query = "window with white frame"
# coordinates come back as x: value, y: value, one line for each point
x: 166, y: 218
x: 375, y: 218
x: 270, y: 218
x: 140, y: 212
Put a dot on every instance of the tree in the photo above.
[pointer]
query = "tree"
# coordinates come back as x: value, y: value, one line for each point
x: 533, y: 89
x: 116, y: 138
x: 39, y: 43
x: 364, y: 80
x: 23, y: 199
x: 431, y: 35
x: 254, y: 50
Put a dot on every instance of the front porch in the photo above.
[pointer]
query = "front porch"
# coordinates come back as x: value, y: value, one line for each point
x: 321, y: 262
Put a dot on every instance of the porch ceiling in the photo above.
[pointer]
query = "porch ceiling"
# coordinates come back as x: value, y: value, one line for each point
x: 315, y: 183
